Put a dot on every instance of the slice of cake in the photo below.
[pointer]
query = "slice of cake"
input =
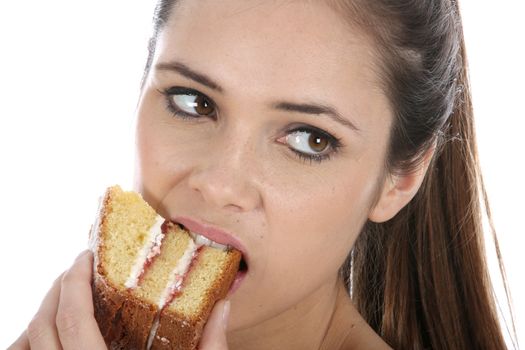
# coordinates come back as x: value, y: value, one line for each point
x: 154, y: 282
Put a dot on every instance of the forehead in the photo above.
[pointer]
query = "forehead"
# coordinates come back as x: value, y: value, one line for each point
x: 262, y: 50
x: 301, y: 38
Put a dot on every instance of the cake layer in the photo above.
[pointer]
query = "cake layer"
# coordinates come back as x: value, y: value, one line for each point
x: 149, y: 251
x: 124, y: 230
x: 200, y: 281
x: 154, y: 283
x: 124, y: 322
x: 208, y: 280
x: 159, y: 276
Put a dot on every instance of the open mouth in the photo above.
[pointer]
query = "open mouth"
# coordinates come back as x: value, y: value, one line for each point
x: 214, y: 237
x: 243, y: 267
x: 201, y: 240
x: 241, y: 274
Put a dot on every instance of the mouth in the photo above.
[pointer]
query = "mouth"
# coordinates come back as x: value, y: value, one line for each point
x: 202, y: 240
x: 207, y: 235
x: 241, y: 274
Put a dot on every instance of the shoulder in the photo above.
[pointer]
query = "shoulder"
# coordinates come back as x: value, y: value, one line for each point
x: 364, y: 339
x: 348, y: 330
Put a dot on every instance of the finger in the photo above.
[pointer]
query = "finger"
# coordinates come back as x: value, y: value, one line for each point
x: 41, y: 331
x: 22, y: 343
x: 214, y: 335
x: 75, y: 321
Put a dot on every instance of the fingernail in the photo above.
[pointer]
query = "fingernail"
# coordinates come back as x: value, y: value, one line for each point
x: 225, y: 314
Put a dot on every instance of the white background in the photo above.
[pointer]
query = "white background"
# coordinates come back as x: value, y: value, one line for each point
x: 69, y: 81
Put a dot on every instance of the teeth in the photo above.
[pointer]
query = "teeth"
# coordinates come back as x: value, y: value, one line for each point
x: 201, y: 240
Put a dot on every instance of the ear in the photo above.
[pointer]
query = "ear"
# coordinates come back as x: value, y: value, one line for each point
x: 398, y: 190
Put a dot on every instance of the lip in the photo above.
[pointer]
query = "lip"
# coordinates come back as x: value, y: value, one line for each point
x: 236, y: 282
x: 213, y: 233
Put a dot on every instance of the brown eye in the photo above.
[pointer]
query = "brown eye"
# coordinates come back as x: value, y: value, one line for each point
x: 203, y: 106
x: 190, y: 102
x: 309, y: 142
x: 318, y: 143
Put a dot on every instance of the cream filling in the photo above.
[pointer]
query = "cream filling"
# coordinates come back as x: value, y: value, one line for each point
x: 173, y: 286
x: 153, y: 331
x: 152, y: 248
x: 148, y: 251
x: 177, y: 274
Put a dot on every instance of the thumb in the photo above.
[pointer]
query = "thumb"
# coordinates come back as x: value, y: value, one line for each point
x: 214, y: 334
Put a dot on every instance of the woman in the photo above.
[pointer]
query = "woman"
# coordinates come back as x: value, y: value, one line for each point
x: 334, y: 139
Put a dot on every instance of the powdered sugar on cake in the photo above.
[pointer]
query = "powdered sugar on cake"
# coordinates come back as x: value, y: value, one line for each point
x: 147, y: 252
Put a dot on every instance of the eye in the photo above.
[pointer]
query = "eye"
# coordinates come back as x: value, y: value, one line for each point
x: 311, y: 143
x: 189, y: 103
x: 308, y: 142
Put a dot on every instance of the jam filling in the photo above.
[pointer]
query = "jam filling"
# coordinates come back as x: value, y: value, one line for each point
x: 176, y: 288
x: 154, y: 252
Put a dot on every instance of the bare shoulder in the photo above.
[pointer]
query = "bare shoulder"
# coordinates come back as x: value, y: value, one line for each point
x: 364, y: 338
x: 348, y: 330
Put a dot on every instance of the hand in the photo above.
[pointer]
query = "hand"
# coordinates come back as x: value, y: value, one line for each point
x: 214, y: 334
x: 65, y: 319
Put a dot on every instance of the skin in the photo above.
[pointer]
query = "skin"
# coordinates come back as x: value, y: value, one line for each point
x: 236, y: 169
x: 65, y: 318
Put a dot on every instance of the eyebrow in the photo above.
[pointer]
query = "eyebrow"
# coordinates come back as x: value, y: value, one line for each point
x: 305, y: 108
x: 189, y: 73
x: 316, y: 109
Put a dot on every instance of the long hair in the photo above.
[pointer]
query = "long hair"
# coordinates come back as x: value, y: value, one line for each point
x: 420, y: 279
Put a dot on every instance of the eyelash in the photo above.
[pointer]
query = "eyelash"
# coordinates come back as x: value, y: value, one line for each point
x: 173, y: 109
x: 334, y: 142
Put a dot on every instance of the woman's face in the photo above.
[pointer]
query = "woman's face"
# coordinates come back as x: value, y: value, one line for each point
x: 266, y: 120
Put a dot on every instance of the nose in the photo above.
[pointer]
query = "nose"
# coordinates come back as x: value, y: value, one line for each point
x: 225, y: 179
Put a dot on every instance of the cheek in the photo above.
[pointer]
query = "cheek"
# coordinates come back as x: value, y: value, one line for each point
x: 316, y: 224
x: 149, y: 154
x: 159, y: 163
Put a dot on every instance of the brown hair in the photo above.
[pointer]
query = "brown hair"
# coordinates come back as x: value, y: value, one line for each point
x: 421, y: 279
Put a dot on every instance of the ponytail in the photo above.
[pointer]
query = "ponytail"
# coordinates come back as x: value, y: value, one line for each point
x: 421, y: 279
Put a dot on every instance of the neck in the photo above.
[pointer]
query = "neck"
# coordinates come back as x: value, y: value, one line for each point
x: 303, y: 326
